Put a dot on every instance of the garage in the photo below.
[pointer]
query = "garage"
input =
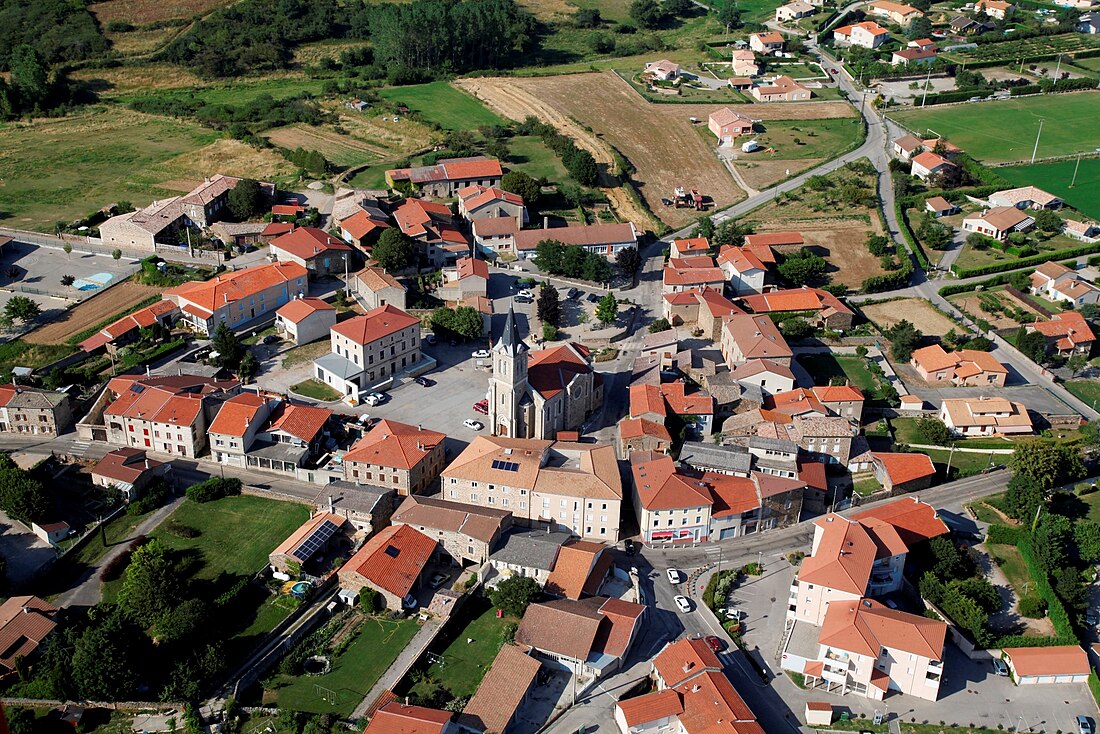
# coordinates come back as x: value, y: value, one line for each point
x: 1047, y: 665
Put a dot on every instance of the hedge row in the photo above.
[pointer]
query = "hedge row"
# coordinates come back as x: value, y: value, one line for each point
x: 1025, y: 262
x: 1094, y: 260
x: 1014, y: 59
x: 1003, y: 535
x: 1094, y: 686
x: 1062, y: 85
x: 1059, y: 618
x: 910, y: 238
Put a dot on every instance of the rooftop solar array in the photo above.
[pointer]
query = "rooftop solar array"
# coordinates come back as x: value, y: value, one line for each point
x: 505, y: 465
x: 315, y: 542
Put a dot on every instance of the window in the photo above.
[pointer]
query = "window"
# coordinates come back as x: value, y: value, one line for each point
x: 454, y: 493
x: 492, y: 500
x: 588, y: 530
x: 603, y: 518
x: 473, y: 498
x: 522, y: 505
x: 473, y: 485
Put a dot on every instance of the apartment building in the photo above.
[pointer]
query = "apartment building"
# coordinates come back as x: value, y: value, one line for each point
x: 34, y: 411
x: 368, y: 350
x: 236, y: 298
x: 546, y: 484
x: 407, y: 458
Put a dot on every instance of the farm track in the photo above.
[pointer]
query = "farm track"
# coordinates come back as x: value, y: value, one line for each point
x: 504, y: 98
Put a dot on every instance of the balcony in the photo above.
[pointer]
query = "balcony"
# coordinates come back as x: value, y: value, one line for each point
x: 834, y: 676
x: 840, y: 657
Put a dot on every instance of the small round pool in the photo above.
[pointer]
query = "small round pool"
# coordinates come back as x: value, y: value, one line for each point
x: 300, y: 588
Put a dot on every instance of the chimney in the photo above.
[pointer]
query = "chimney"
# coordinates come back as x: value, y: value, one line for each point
x: 688, y: 666
x: 695, y: 688
x: 26, y: 610
x: 330, y: 503
x: 146, y: 463
x: 546, y: 222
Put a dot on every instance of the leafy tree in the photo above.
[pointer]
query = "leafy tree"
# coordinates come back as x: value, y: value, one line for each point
x: 1032, y: 344
x: 228, y: 346
x: 550, y: 256
x: 67, y: 280
x: 607, y: 310
x: 704, y: 227
x: 802, y: 267
x: 21, y: 495
x: 727, y: 13
x: 587, y: 18
x: 679, y: 8
x: 1050, y: 463
x: 934, y: 234
x: 921, y: 27
x: 797, y: 328
x: 879, y: 245
x: 979, y: 344
x: 647, y: 13
x: 1053, y: 539
x: 1048, y: 221
x: 730, y: 232
x: 182, y: 622
x: 21, y: 308
x: 981, y: 591
x: 248, y: 367
x: 549, y: 332
x: 548, y: 306
x: 1022, y: 498
x: 108, y: 658
x: 520, y: 184
x: 904, y: 338
x: 1086, y: 535
x: 153, y: 583
x: 659, y: 325
x: 596, y: 268
x: 934, y: 431
x: 947, y: 561
x: 68, y: 248
x: 29, y: 77
x: 394, y: 250
x: 190, y: 673
x: 1089, y: 310
x: 582, y: 166
x: 245, y: 200
x: 514, y: 594
x: 467, y: 322
x: 1066, y: 581
x: 214, y: 488
x: 628, y: 260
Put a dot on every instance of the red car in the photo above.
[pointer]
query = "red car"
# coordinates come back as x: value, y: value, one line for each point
x: 714, y: 643
x: 482, y: 407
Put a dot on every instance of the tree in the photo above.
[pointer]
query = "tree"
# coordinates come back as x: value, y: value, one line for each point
x: 522, y: 185
x: 29, y: 76
x: 548, y: 306
x: 1050, y: 463
x: 802, y: 267
x: 730, y: 232
x: 514, y: 594
x: 1086, y: 535
x: 679, y: 8
x: 1022, y: 498
x: 934, y: 431
x: 728, y: 13
x: 467, y: 322
x: 116, y: 254
x: 879, y: 245
x: 394, y: 250
x: 1089, y: 310
x: 152, y: 585
x: 248, y: 367
x: 596, y: 268
x: 21, y: 308
x: 245, y: 200
x: 607, y: 310
x: 549, y: 332
x: 647, y: 13
x: 934, y: 234
x: 1048, y: 221
x: 947, y: 561
x: 108, y: 658
x: 550, y: 256
x: 182, y: 622
x: 585, y: 18
x: 797, y: 328
x: 582, y: 166
x: 21, y: 495
x: 1052, y: 541
x: 370, y: 601
x: 1032, y: 344
x: 904, y: 338
x: 68, y: 248
x: 921, y: 27
x: 659, y: 325
x: 628, y: 260
x: 228, y: 346
x: 67, y: 280
x: 704, y: 228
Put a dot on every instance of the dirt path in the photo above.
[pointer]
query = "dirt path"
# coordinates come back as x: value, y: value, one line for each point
x: 504, y: 98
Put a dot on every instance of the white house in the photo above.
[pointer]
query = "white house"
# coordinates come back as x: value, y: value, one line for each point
x: 998, y: 222
x: 305, y: 320
x: 867, y: 34
x: 794, y: 11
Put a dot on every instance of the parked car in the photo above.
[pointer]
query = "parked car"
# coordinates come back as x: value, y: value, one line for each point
x: 424, y: 382
x: 1000, y: 667
x: 683, y: 603
x: 482, y: 406
x: 524, y: 299
x: 473, y: 425
x: 674, y: 576
x: 438, y: 580
x: 271, y: 339
x: 430, y: 338
x: 481, y: 354
x: 374, y: 398
x: 592, y: 298
x: 525, y: 293
x: 1084, y: 725
x: 733, y: 613
x: 573, y: 294
x: 715, y: 643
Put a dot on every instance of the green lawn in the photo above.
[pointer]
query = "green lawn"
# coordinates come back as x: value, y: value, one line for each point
x: 1010, y: 561
x: 866, y: 487
x: 1005, y: 130
x: 529, y: 154
x: 817, y: 138
x: 1056, y: 177
x: 63, y: 169
x: 984, y: 512
x: 317, y: 390
x: 963, y: 463
x: 971, y: 257
x: 465, y: 664
x: 240, y: 92
x: 377, y: 644
x: 824, y: 367
x: 19, y: 353
x: 1087, y: 390
x: 372, y: 177
x: 439, y: 102
x: 905, y: 431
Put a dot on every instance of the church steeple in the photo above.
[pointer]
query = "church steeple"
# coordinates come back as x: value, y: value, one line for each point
x: 510, y: 341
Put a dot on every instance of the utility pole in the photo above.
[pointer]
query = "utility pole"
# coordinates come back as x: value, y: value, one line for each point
x: 950, y: 456
x: 1078, y: 165
x: 927, y: 80
x: 1035, y: 150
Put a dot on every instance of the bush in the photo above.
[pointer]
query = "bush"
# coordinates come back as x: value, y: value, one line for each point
x: 1032, y: 606
x: 214, y: 488
x: 370, y: 601
x: 1003, y: 535
x: 155, y: 495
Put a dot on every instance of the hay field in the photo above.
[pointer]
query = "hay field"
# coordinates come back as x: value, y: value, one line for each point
x: 916, y: 311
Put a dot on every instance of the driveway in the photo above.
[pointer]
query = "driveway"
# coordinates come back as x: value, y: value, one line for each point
x: 24, y: 552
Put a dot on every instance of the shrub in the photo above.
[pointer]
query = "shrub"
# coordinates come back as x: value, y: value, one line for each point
x: 370, y: 601
x: 1033, y: 606
x: 213, y: 488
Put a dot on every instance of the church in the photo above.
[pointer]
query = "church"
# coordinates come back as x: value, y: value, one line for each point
x: 538, y: 394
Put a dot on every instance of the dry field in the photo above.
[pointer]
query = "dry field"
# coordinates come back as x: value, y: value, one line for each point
x: 94, y: 311
x: 140, y: 12
x: 916, y: 311
x: 141, y: 78
x: 762, y: 173
x: 343, y: 150
x: 231, y: 157
x: 969, y: 303
x: 136, y: 43
x: 842, y: 246
x: 659, y: 140
x: 548, y: 10
x: 361, y: 139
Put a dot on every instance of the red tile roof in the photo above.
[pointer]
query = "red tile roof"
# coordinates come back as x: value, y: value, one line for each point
x: 638, y: 427
x: 375, y: 324
x: 376, y: 279
x: 468, y: 266
x: 684, y: 659
x: 647, y: 399
x: 393, y: 444
x: 796, y: 299
x: 579, y: 564
x: 914, y: 520
x: 297, y: 310
x: 125, y: 465
x: 865, y: 627
x: 692, y: 244
x: 231, y: 287
x: 300, y: 421
x: 588, y: 234
x: 360, y: 224
x: 237, y: 414
x: 681, y: 402
x: 277, y: 228
x: 661, y: 487
x: 1057, y: 660
x: 476, y: 196
x: 838, y: 393
x: 308, y: 242
x: 732, y: 495
x: 396, y: 718
x: 549, y: 371
x: 393, y: 559
x: 502, y: 690
x: 903, y: 468
x: 25, y: 621
x: 651, y: 707
x: 774, y: 239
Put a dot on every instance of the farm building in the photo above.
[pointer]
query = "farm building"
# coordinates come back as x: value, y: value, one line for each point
x: 602, y: 239
x: 306, y: 542
x: 448, y: 176
x: 903, y: 472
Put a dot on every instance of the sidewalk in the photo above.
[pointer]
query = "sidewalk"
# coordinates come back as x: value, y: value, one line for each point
x: 397, y: 670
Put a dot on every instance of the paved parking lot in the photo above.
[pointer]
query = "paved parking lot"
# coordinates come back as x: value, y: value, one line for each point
x: 40, y: 269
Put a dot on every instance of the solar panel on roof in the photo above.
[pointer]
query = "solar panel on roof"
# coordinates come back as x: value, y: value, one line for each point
x: 315, y: 542
x: 505, y: 465
x: 392, y: 551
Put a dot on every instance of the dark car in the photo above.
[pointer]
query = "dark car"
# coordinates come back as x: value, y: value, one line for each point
x: 628, y: 546
x: 592, y: 298
x: 424, y: 382
x: 523, y: 299
x: 271, y: 339
x: 715, y: 643
x: 573, y: 294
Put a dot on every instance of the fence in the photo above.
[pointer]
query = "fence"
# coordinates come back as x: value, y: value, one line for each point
x: 1024, y: 297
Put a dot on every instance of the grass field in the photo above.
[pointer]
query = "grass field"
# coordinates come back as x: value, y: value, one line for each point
x: 465, y: 664
x: 530, y: 155
x: 818, y: 139
x: 1005, y: 131
x: 377, y: 644
x: 1013, y: 566
x: 1056, y: 177
x: 316, y: 389
x: 824, y: 367
x: 439, y: 102
x: 1087, y: 390
x: 974, y: 258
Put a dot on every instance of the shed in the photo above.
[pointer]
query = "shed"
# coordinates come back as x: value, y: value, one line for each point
x: 1042, y: 665
x: 819, y: 713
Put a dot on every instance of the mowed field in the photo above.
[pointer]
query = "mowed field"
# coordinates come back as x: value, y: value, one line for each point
x: 916, y: 311
x: 1056, y: 177
x: 659, y: 140
x: 1005, y: 131
x: 439, y: 102
x: 61, y: 169
x: 94, y: 311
